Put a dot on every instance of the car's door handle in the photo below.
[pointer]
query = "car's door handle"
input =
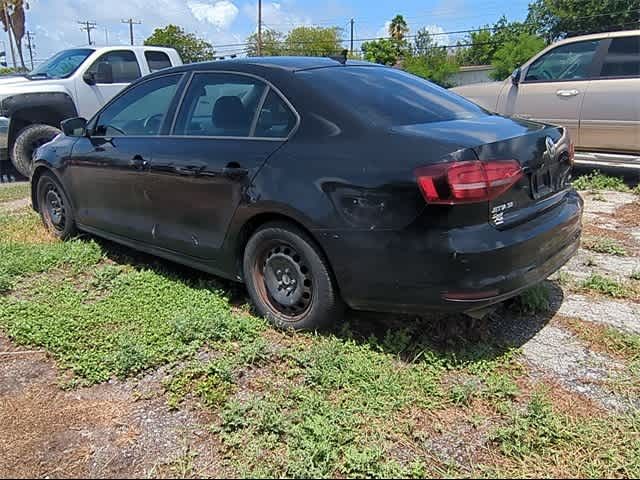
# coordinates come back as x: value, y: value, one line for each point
x: 567, y: 93
x: 234, y: 172
x: 138, y: 162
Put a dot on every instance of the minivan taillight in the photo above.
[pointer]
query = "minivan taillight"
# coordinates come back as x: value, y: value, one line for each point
x: 467, y: 182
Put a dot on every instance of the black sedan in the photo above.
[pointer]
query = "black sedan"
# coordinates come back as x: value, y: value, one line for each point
x: 318, y: 183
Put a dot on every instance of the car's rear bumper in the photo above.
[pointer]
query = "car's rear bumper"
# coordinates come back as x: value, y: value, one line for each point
x: 458, y: 270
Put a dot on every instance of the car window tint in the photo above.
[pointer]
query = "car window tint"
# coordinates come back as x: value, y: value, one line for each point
x: 157, y: 60
x: 276, y: 119
x: 123, y: 65
x: 566, y: 62
x: 387, y: 96
x: 623, y: 58
x: 219, y: 104
x: 140, y: 110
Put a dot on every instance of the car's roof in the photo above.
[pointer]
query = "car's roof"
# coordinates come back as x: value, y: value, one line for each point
x: 598, y: 36
x: 143, y: 48
x: 283, y: 63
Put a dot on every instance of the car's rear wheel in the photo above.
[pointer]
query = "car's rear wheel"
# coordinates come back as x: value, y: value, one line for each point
x: 54, y: 206
x: 289, y: 280
x: 26, y: 144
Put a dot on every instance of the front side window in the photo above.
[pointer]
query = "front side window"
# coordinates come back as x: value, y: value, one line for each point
x: 566, y: 62
x: 219, y: 105
x: 140, y: 110
x: 157, y: 60
x: 62, y: 64
x: 116, y: 67
x: 276, y: 120
x: 623, y: 58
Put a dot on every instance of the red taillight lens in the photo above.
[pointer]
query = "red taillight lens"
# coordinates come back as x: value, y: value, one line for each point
x: 467, y: 182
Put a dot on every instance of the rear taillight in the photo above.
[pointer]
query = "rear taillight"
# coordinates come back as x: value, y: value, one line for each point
x: 467, y: 182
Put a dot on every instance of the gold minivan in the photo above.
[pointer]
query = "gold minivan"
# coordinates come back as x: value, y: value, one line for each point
x: 589, y: 84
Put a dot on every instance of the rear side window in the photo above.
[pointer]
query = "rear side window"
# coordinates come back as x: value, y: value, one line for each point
x: 219, y: 105
x: 120, y: 67
x: 387, y: 96
x: 276, y: 120
x: 157, y: 60
x: 623, y: 58
x: 566, y: 62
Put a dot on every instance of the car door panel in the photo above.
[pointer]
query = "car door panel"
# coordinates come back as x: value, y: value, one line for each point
x: 610, y: 119
x: 108, y: 180
x: 196, y: 185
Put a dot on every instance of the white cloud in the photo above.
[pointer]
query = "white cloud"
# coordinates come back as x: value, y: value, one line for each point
x: 281, y: 16
x: 436, y: 31
x: 383, y: 32
x: 221, y: 14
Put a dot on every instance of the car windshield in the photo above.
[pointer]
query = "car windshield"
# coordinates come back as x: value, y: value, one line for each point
x: 62, y: 64
x: 388, y: 96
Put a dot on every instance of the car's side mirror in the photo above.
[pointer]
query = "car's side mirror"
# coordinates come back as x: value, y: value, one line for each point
x: 89, y: 78
x: 515, y: 76
x: 74, y: 127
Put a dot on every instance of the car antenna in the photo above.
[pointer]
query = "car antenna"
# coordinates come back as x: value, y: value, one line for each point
x: 342, y: 58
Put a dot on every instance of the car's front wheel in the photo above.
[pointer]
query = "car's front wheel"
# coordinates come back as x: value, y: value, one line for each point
x: 55, y: 208
x: 289, y: 280
x: 26, y: 144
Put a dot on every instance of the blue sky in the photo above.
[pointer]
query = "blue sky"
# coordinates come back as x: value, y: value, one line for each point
x: 228, y: 22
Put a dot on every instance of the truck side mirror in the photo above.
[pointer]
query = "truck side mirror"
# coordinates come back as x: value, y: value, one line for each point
x: 515, y: 76
x: 74, y: 127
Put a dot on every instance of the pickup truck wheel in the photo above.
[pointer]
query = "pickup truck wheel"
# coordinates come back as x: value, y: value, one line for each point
x: 26, y: 144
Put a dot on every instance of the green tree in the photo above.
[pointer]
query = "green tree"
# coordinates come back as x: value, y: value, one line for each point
x: 514, y: 53
x: 191, y: 48
x: 383, y: 51
x: 272, y: 44
x: 481, y: 51
x: 313, y: 41
x: 398, y: 28
x: 561, y: 18
x: 430, y: 61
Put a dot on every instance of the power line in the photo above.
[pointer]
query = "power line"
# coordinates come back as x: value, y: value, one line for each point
x: 88, y: 26
x: 131, y: 23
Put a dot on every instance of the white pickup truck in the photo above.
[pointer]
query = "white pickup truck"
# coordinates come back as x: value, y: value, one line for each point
x: 74, y: 82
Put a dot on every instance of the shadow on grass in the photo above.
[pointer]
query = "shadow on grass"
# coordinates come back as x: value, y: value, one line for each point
x: 455, y: 336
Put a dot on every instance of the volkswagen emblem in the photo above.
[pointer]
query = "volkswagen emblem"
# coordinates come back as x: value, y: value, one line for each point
x: 551, y: 148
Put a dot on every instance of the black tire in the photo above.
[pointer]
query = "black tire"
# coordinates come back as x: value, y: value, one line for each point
x: 55, y: 208
x: 289, y: 280
x: 27, y: 141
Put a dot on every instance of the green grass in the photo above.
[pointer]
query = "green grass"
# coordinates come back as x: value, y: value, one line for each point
x: 533, y: 300
x: 606, y: 286
x: 604, y: 245
x: 14, y: 191
x: 596, y: 180
x: 358, y: 402
x: 635, y: 275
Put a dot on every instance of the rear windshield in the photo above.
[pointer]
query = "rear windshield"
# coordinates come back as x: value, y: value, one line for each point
x: 388, y: 96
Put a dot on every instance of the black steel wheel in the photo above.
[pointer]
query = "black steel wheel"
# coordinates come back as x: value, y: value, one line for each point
x: 54, y: 206
x: 288, y: 279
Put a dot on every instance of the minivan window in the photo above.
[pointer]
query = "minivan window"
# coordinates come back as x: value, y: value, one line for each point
x: 219, y: 105
x: 123, y: 64
x: 388, y: 96
x: 141, y: 110
x: 157, y: 60
x: 571, y: 61
x: 623, y: 58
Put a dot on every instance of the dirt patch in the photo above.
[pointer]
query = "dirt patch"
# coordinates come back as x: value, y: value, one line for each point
x: 628, y: 214
x: 117, y: 429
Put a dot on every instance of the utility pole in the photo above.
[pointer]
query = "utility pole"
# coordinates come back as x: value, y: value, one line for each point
x: 5, y: 7
x: 88, y: 26
x: 106, y: 36
x: 351, y: 36
x: 30, y: 46
x: 259, y: 28
x: 131, y: 23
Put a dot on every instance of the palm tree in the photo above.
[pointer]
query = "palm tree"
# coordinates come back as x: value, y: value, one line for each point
x: 13, y: 11
x: 398, y: 28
